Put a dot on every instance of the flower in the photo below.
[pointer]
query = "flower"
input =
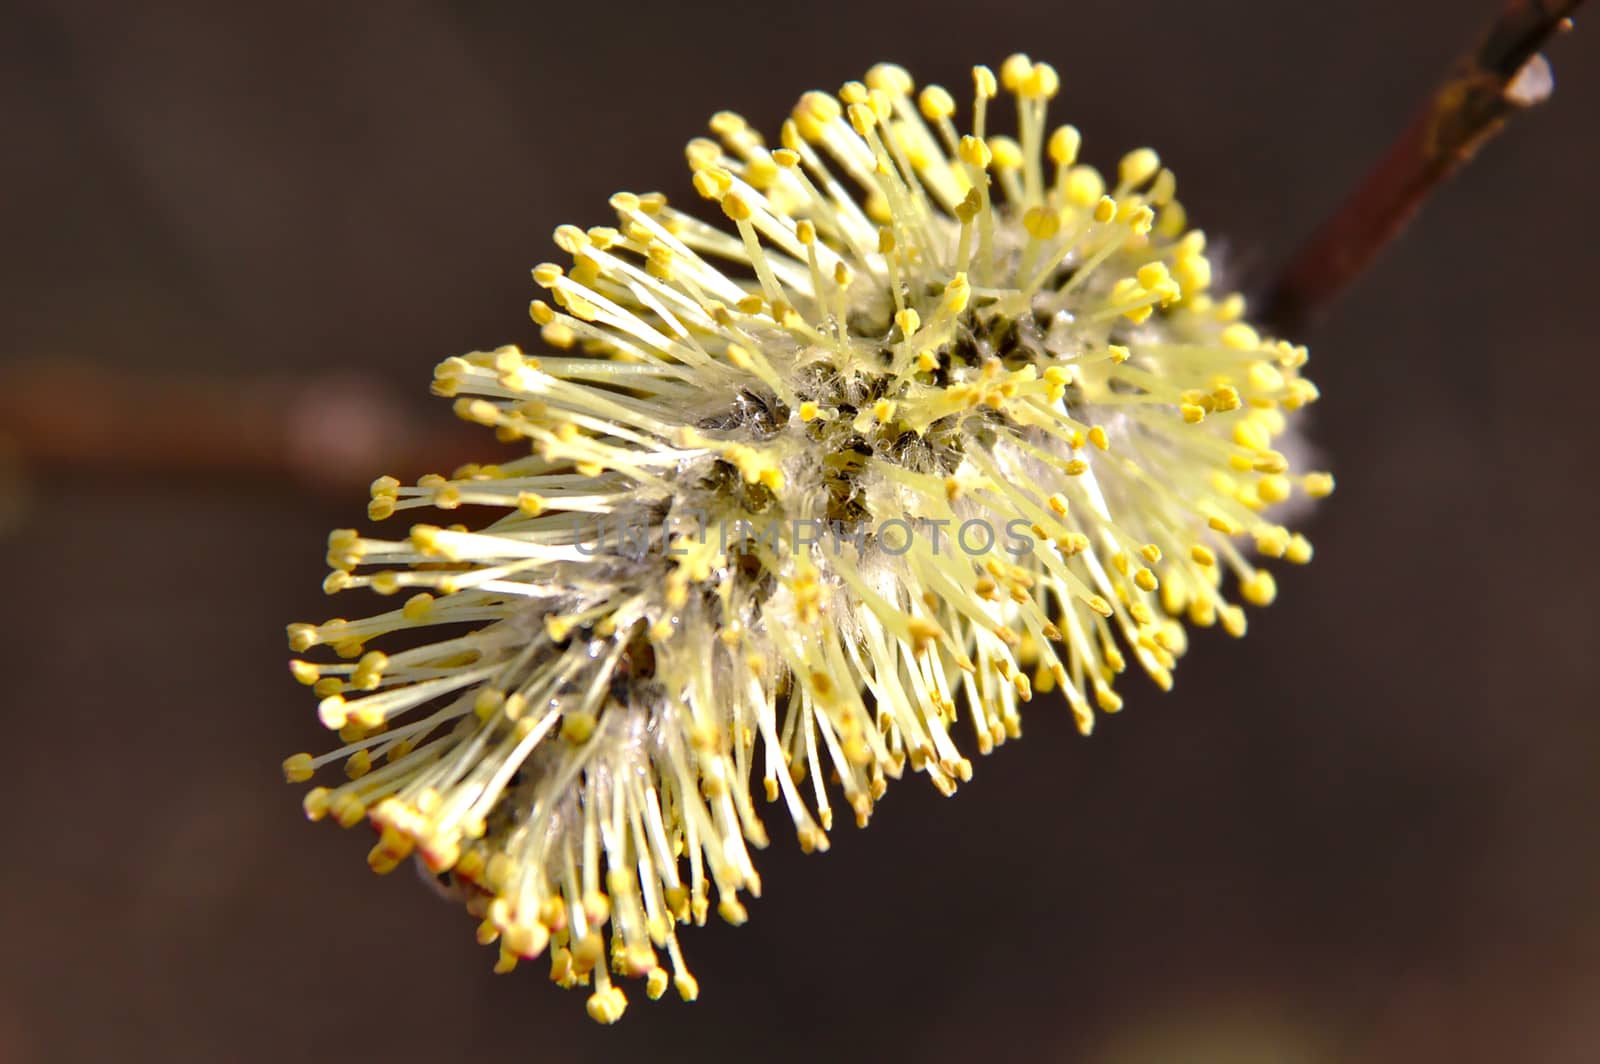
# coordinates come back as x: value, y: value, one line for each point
x: 812, y: 492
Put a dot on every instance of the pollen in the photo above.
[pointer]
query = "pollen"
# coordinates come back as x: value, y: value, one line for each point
x: 926, y: 419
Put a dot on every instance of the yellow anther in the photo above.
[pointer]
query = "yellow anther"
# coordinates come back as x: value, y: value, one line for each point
x: 316, y: 803
x: 1259, y: 588
x: 558, y: 336
x: 1265, y: 377
x: 1174, y: 219
x: 1014, y: 71
x: 1272, y: 541
x: 711, y: 183
x: 702, y: 153
x: 1270, y: 462
x: 1301, y: 392
x: 607, y: 1006
x: 922, y: 631
x: 1084, y: 186
x: 570, y: 238
x: 862, y: 118
x: 297, y: 768
x: 1240, y: 337
x: 957, y: 293
x: 1230, y: 309
x: 1273, y: 487
x: 488, y: 702
x: 1249, y: 433
x: 975, y: 152
x: 576, y: 728
x: 1225, y: 398
x: 347, y: 809
x: 1042, y: 82
x: 1154, y: 275
x: 418, y: 607
x: 1193, y: 272
x: 818, y: 106
x: 358, y: 764
x: 1318, y: 485
x: 728, y: 124
x: 1138, y: 166
x: 332, y: 712
x: 1006, y: 153
x: 890, y: 78
x: 969, y: 207
x: 1063, y: 145
x: 1223, y: 525
x: 1041, y: 223
x: 935, y: 103
x: 1162, y: 189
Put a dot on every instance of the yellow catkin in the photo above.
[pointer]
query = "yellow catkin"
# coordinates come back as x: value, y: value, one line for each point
x: 927, y: 421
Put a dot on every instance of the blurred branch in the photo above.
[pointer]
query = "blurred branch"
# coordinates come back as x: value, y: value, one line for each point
x: 334, y: 432
x: 1503, y: 75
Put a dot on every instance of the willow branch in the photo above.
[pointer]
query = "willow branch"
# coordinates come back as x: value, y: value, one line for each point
x: 333, y: 432
x: 1505, y: 74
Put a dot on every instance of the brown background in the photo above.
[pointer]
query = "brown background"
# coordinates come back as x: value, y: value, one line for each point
x: 1364, y: 833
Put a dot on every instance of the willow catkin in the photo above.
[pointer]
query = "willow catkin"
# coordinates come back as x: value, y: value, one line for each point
x: 930, y: 423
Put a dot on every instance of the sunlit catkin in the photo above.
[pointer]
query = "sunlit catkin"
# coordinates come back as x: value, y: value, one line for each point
x: 928, y: 423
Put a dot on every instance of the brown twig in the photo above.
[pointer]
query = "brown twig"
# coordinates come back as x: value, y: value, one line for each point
x: 335, y: 432
x: 1502, y: 76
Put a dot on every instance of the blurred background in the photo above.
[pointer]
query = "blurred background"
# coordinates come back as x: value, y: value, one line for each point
x: 237, y: 238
